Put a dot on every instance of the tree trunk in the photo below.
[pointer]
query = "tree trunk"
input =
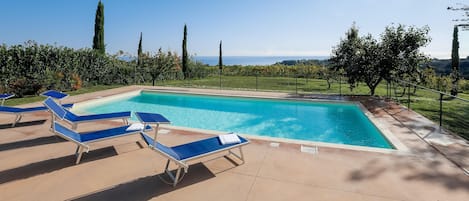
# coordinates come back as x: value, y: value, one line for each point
x: 153, y: 81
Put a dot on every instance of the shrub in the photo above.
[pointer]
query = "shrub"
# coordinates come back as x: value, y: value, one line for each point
x: 23, y: 86
x: 76, y: 81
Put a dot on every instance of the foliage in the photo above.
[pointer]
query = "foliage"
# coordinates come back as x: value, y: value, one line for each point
x: 98, y: 39
x: 197, y: 70
x: 185, y: 68
x: 455, y: 62
x: 31, y: 68
x: 401, y: 51
x: 444, y: 67
x: 304, y: 62
x: 395, y: 56
x: 160, y: 63
x: 370, y: 69
x: 345, y: 56
x: 76, y: 81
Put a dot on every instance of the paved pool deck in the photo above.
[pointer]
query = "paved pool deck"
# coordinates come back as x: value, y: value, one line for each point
x: 36, y: 165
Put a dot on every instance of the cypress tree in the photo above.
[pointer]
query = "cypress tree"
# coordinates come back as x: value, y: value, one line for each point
x: 455, y: 62
x: 184, y: 53
x: 220, y: 60
x: 139, y: 51
x: 98, y: 39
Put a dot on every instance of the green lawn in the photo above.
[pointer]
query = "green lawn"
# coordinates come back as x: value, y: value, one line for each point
x: 302, y: 85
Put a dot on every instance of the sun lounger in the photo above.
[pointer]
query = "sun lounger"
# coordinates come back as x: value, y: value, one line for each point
x: 82, y: 140
x: 74, y: 120
x: 19, y: 112
x: 181, y: 154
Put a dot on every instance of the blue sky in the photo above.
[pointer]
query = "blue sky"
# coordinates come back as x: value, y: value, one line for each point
x: 247, y: 27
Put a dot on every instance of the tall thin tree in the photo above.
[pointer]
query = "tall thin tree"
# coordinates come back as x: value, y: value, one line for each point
x: 455, y: 62
x: 184, y: 53
x: 139, y: 59
x: 139, y: 51
x: 220, y: 63
x: 220, y: 59
x: 98, y: 39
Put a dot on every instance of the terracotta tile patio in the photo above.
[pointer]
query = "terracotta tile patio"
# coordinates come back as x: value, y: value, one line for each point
x: 35, y: 165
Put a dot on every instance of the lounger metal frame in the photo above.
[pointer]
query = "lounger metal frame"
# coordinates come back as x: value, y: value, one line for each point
x: 84, y: 147
x: 183, y: 164
x: 19, y: 115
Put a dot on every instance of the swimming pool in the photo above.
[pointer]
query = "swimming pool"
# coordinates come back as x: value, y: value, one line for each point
x: 341, y: 123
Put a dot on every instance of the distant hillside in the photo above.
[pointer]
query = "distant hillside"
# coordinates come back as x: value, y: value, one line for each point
x: 443, y: 66
x: 315, y: 62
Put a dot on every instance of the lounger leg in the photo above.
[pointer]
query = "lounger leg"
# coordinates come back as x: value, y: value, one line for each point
x: 167, y: 166
x: 17, y: 119
x: 80, y: 153
x: 168, y: 172
x: 240, y: 156
x: 78, y: 149
x: 52, y: 121
x: 126, y: 122
x: 178, y: 173
x: 174, y: 178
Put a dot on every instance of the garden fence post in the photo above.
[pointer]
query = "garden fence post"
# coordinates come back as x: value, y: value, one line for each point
x: 340, y: 85
x: 441, y: 109
x: 387, y: 89
x: 296, y: 84
x: 408, y: 96
x: 256, y: 80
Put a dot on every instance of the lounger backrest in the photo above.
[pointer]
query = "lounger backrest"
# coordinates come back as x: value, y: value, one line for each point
x: 72, y: 135
x: 55, y: 108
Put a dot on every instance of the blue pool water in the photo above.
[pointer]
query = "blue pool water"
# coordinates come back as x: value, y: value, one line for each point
x: 342, y: 123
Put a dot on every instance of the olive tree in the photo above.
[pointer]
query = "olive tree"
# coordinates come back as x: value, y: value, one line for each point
x: 401, y: 55
x: 396, y: 56
x: 160, y: 63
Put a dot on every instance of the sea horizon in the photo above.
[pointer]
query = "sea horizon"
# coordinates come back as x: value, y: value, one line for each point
x: 253, y: 60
